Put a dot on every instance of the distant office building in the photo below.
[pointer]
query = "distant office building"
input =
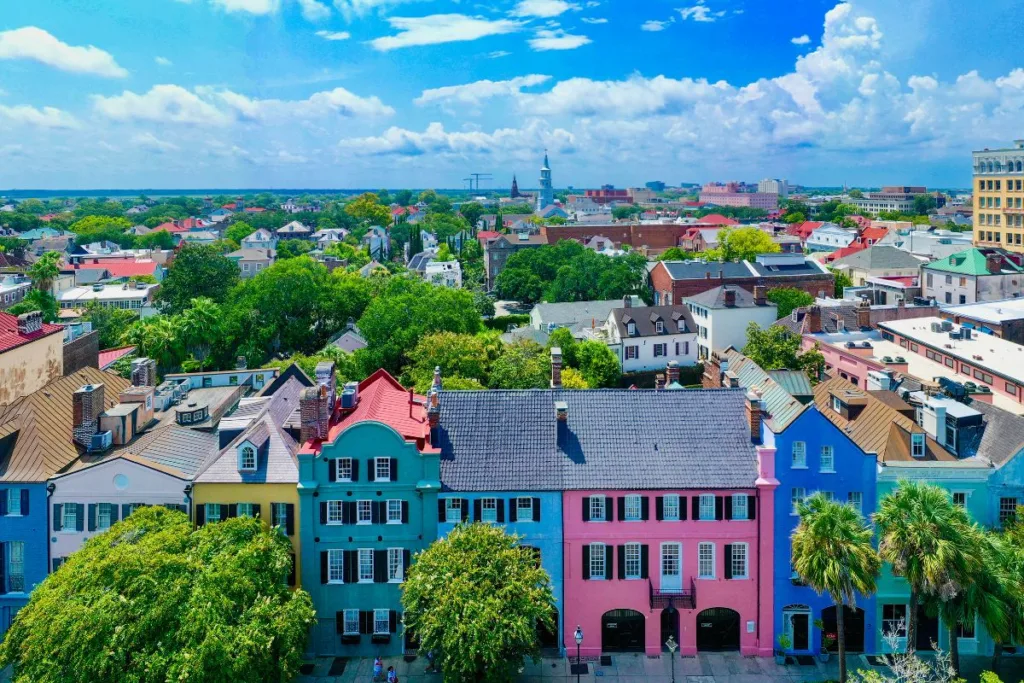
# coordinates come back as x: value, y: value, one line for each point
x: 608, y: 194
x: 891, y: 198
x: 731, y: 194
x: 655, y: 185
x: 774, y: 186
x: 998, y: 197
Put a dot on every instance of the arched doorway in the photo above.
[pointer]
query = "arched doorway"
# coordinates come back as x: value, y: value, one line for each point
x: 669, y: 625
x: 622, y: 630
x: 547, y: 634
x: 796, y: 623
x: 718, y: 630
x: 853, y: 621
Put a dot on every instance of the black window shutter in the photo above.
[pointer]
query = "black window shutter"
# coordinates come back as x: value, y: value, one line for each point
x: 608, y: 555
x: 682, y: 508
x: 477, y: 509
x: 695, y: 508
x: 645, y: 509
x: 728, y: 561
x: 751, y: 507
x: 406, y: 561
x: 289, y: 519
x: 645, y: 552
x: 719, y: 511
x: 586, y: 562
x: 659, y: 508
x: 394, y: 469
x: 3, y: 503
x: 586, y: 508
x: 56, y: 565
x: 323, y: 512
x: 332, y: 470
x: 80, y: 516
x: 200, y: 514
x: 92, y: 516
x: 323, y: 566
x: 405, y: 512
x: 232, y: 510
x: 374, y: 512
x: 24, y: 501
x: 728, y: 507
x: 365, y: 622
x: 350, y: 508
x: 440, y: 510
x: 257, y: 510
x: 392, y: 621
x: 513, y: 510
x: 609, y: 509
x: 622, y: 507
x: 291, y: 570
x: 57, y: 516
x: 465, y: 509
x: 348, y: 568
x: 355, y: 470
x: 500, y: 505
x: 339, y: 621
x: 126, y: 510
x: 3, y: 568
x: 113, y: 513
x: 380, y: 566
x: 622, y: 561
x: 536, y: 509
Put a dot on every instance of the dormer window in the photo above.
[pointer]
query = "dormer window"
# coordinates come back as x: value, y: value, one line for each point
x: 917, y: 443
x: 659, y: 327
x: 247, y: 458
x: 837, y: 405
x: 631, y: 329
x: 682, y: 326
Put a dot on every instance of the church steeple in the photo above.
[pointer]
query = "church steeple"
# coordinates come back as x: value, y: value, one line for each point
x: 546, y: 196
x: 515, y: 187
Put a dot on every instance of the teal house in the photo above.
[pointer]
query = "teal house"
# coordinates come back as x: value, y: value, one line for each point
x: 368, y: 485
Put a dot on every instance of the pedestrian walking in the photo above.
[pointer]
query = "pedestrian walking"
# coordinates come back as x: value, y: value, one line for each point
x: 392, y: 675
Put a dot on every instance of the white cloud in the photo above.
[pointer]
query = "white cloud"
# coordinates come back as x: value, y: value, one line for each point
x: 498, y: 54
x: 654, y: 25
x: 474, y: 93
x: 257, y: 7
x: 337, y: 102
x: 152, y: 143
x: 594, y: 20
x: 351, y: 9
x: 35, y: 44
x: 163, y: 61
x: 542, y: 8
x: 285, y: 157
x: 441, y: 28
x: 801, y: 40
x: 435, y: 140
x: 162, y: 104
x: 314, y: 10
x: 557, y: 39
x: 334, y: 35
x: 700, y: 12
x: 47, y: 117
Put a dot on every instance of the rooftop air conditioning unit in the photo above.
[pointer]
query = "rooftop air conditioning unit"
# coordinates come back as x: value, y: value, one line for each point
x: 936, y: 327
x: 100, y: 441
x: 946, y: 326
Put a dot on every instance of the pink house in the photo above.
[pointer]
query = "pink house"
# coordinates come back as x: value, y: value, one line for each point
x: 686, y: 550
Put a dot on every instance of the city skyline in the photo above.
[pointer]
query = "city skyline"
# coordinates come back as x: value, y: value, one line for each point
x: 407, y: 93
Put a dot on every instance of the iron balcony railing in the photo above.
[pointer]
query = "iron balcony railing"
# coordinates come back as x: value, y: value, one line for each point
x: 680, y: 598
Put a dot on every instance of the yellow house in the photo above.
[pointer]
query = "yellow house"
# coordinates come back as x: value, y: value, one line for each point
x: 31, y: 354
x: 256, y: 473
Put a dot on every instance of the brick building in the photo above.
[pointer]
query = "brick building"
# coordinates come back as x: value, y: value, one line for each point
x: 672, y: 281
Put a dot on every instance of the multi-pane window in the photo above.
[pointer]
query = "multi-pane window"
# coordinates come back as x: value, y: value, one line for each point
x: 597, y: 508
x: 894, y: 619
x: 246, y: 510
x: 382, y: 469
x: 351, y: 625
x: 14, y: 502
x: 334, y: 511
x: 660, y: 350
x: 632, y: 352
x: 960, y: 499
x: 597, y: 560
x: 739, y: 506
x: 632, y: 560
x: 453, y: 509
x: 799, y: 454
x: 739, y: 561
x: 796, y: 497
x: 394, y: 511
x: 395, y: 556
x: 828, y: 463
x: 279, y: 512
x: 335, y: 566
x: 632, y: 508
x: 364, y: 511
x: 670, y: 508
x: 706, y: 561
x: 1007, y: 509
x: 917, y: 442
x: 344, y: 469
x: 247, y: 458
x: 16, y: 566
x: 707, y: 506
x: 103, y: 515
x: 365, y: 565
x: 381, y: 621
x: 70, y: 517
x: 828, y: 495
x: 213, y: 512
x: 489, y: 510
x: 855, y: 499
x: 524, y: 509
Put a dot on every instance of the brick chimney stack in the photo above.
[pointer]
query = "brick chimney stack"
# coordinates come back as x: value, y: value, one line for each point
x: 863, y: 313
x: 556, y: 367
x: 314, y: 414
x: 813, y: 319
x: 143, y: 372
x: 659, y: 381
x: 627, y: 301
x: 730, y: 296
x: 754, y: 415
x: 86, y: 407
x: 993, y: 263
x: 30, y: 322
x: 672, y: 374
x: 760, y: 299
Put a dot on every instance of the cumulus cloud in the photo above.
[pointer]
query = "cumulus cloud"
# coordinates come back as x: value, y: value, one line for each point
x: 334, y: 35
x: 594, y: 20
x: 700, y: 12
x: 654, y: 25
x: 46, y: 117
x: 542, y: 8
x: 556, y: 39
x: 162, y: 104
x: 337, y: 102
x: 163, y: 61
x: 314, y: 10
x: 474, y: 93
x: 441, y: 28
x: 436, y: 140
x: 35, y: 44
x: 801, y: 40
x: 257, y: 7
x: 352, y: 9
x: 150, y: 142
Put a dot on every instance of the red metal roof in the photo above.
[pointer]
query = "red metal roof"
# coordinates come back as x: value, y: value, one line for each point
x: 716, y: 219
x: 108, y: 356
x: 873, y: 234
x: 804, y: 230
x: 845, y: 251
x: 10, y: 338
x: 170, y: 227
x: 230, y: 207
x: 485, y: 235
x: 120, y: 267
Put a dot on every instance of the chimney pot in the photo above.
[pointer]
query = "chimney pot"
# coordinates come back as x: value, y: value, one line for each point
x: 556, y: 367
x: 627, y: 301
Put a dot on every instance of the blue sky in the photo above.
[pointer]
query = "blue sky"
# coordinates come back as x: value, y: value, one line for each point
x: 420, y: 93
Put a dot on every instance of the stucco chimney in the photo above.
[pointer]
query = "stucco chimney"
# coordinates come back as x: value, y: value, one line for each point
x: 556, y: 367
x: 627, y: 301
x: 86, y: 407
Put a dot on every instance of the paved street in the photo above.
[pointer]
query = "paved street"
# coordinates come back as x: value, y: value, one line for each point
x: 705, y: 668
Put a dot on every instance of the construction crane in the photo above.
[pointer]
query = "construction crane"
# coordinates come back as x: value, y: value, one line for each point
x: 478, y: 177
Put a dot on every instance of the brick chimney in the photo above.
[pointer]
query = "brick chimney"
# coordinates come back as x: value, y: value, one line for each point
x: 672, y: 373
x: 627, y: 301
x: 86, y: 407
x: 314, y: 415
x: 30, y: 322
x: 143, y: 372
x: 993, y: 263
x: 760, y: 299
x: 730, y: 297
x: 659, y: 381
x: 434, y: 408
x: 863, y: 313
x: 556, y: 367
x: 812, y: 320
x: 754, y: 415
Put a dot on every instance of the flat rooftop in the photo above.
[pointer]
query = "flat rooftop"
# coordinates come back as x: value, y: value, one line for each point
x: 1000, y: 311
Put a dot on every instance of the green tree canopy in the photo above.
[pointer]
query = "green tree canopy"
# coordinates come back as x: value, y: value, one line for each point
x: 476, y: 598
x: 563, y: 339
x: 403, y: 197
x: 787, y: 299
x: 37, y: 300
x: 45, y: 270
x: 111, y: 323
x: 238, y: 231
x: 471, y: 211
x: 287, y: 249
x: 743, y: 243
x: 625, y: 211
x: 458, y: 355
x: 842, y: 281
x: 598, y: 364
x: 367, y: 207
x: 94, y: 228
x: 521, y: 365
x: 152, y: 599
x: 776, y: 349
x: 198, y: 270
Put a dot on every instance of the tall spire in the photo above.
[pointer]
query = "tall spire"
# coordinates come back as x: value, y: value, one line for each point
x: 546, y: 196
x: 515, y: 187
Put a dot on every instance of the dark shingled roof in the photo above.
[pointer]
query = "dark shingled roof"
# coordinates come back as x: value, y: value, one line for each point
x: 696, y: 270
x: 613, y: 438
x: 645, y: 317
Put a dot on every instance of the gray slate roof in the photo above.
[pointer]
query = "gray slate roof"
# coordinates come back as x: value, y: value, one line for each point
x: 715, y: 298
x: 879, y: 256
x: 696, y: 270
x: 645, y: 317
x: 1003, y: 437
x: 568, y: 314
x: 781, y: 406
x: 184, y: 449
x: 806, y: 267
x: 613, y: 439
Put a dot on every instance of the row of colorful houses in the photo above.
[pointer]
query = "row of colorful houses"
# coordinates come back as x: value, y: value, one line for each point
x: 655, y: 513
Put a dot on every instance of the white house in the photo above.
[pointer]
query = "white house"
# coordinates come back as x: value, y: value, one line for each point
x: 830, y: 237
x: 261, y: 239
x: 446, y: 273
x: 722, y: 314
x: 646, y: 338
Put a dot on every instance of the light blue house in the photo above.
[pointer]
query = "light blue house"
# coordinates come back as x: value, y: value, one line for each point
x: 812, y: 455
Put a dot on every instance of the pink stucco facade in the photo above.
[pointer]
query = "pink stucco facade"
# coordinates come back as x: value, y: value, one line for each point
x: 587, y: 600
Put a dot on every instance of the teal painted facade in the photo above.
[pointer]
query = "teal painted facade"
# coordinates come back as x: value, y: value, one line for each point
x: 360, y: 533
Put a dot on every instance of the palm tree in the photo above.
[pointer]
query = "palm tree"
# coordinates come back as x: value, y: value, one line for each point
x: 44, y: 270
x: 921, y: 534
x: 1010, y: 557
x: 198, y: 326
x: 832, y: 553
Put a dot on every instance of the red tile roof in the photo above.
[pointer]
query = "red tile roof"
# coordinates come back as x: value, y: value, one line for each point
x: 254, y: 209
x: 716, y: 219
x: 845, y: 251
x: 10, y: 338
x: 120, y: 268
x: 873, y: 234
x: 170, y: 227
x: 485, y: 235
x: 108, y: 356
x: 804, y: 230
x: 230, y: 207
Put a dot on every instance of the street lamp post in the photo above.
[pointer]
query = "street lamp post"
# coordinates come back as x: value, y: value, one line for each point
x: 672, y: 646
x: 579, y: 641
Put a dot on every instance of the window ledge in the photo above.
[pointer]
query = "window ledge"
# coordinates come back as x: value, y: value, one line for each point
x: 798, y: 467
x: 826, y: 471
